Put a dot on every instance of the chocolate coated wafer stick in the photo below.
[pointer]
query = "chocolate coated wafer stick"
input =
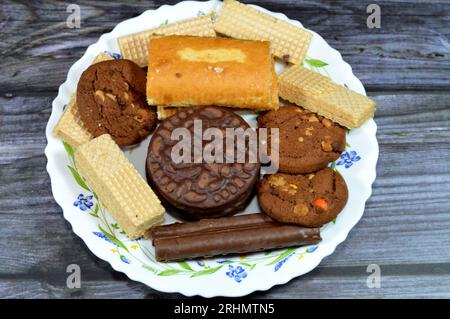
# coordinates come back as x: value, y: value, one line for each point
x: 228, y: 235
x: 209, y: 225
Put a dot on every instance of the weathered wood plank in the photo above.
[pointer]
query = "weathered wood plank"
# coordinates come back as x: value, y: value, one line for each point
x: 338, y: 286
x: 314, y: 285
x: 413, y: 42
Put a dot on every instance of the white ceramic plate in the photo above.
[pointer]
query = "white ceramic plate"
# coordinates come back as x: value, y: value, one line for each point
x: 236, y: 276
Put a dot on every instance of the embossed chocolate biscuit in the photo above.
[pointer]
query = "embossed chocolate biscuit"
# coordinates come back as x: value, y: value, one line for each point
x: 197, y: 188
x: 308, y: 142
x: 111, y: 100
x: 309, y: 200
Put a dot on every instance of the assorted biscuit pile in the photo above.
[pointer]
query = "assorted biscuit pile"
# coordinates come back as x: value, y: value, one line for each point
x: 199, y: 71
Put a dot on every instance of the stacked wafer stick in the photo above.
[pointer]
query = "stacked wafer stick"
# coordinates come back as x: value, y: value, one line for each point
x: 319, y: 94
x: 241, y: 21
x: 121, y: 189
x: 134, y: 47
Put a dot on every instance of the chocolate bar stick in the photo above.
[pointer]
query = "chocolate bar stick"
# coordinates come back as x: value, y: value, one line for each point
x: 228, y: 235
x: 209, y: 225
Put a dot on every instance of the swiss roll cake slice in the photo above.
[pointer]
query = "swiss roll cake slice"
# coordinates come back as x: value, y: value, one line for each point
x: 185, y: 71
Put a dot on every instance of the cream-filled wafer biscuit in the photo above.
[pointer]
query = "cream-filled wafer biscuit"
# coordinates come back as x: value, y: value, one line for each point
x: 186, y: 71
x: 307, y: 81
x: 319, y: 94
x: 241, y: 21
x: 134, y: 47
x: 70, y: 128
x: 119, y: 186
x: 348, y: 107
x: 166, y: 111
x: 102, y: 57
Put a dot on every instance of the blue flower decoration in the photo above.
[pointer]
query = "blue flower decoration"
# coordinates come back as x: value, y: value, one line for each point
x: 281, y: 262
x: 201, y: 263
x: 312, y: 249
x: 83, y: 202
x: 114, y: 55
x: 348, y: 158
x: 124, y: 259
x: 237, y: 273
x: 103, y: 236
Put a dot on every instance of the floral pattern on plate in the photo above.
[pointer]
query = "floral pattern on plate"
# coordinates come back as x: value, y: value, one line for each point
x: 348, y: 159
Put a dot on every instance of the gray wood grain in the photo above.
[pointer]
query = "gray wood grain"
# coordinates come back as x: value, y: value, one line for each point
x: 413, y: 42
x: 405, y: 67
x: 316, y: 284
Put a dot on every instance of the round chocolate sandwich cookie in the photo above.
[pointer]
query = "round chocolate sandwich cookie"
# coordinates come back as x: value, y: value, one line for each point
x: 309, y: 200
x: 111, y: 99
x: 308, y: 142
x: 183, y: 172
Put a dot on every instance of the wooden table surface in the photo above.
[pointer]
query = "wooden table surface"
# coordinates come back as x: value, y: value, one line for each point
x: 405, y: 67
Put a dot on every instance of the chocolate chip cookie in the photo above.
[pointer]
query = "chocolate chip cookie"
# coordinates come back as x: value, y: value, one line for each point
x: 111, y: 99
x: 195, y: 187
x: 309, y: 200
x: 308, y: 142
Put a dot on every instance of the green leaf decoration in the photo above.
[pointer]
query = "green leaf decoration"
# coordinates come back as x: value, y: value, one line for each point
x: 169, y: 272
x: 316, y: 63
x: 227, y: 262
x: 347, y: 145
x: 244, y: 264
x: 113, y: 238
x: 95, y: 212
x: 78, y: 178
x: 185, y: 265
x: 166, y: 22
x: 115, y: 226
x: 334, y: 220
x: 69, y: 149
x: 149, y: 268
x: 283, y: 255
x: 207, y: 271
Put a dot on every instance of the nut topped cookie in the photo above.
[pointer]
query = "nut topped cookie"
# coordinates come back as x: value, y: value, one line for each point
x: 196, y: 187
x: 308, y: 142
x: 111, y: 100
x: 309, y: 200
